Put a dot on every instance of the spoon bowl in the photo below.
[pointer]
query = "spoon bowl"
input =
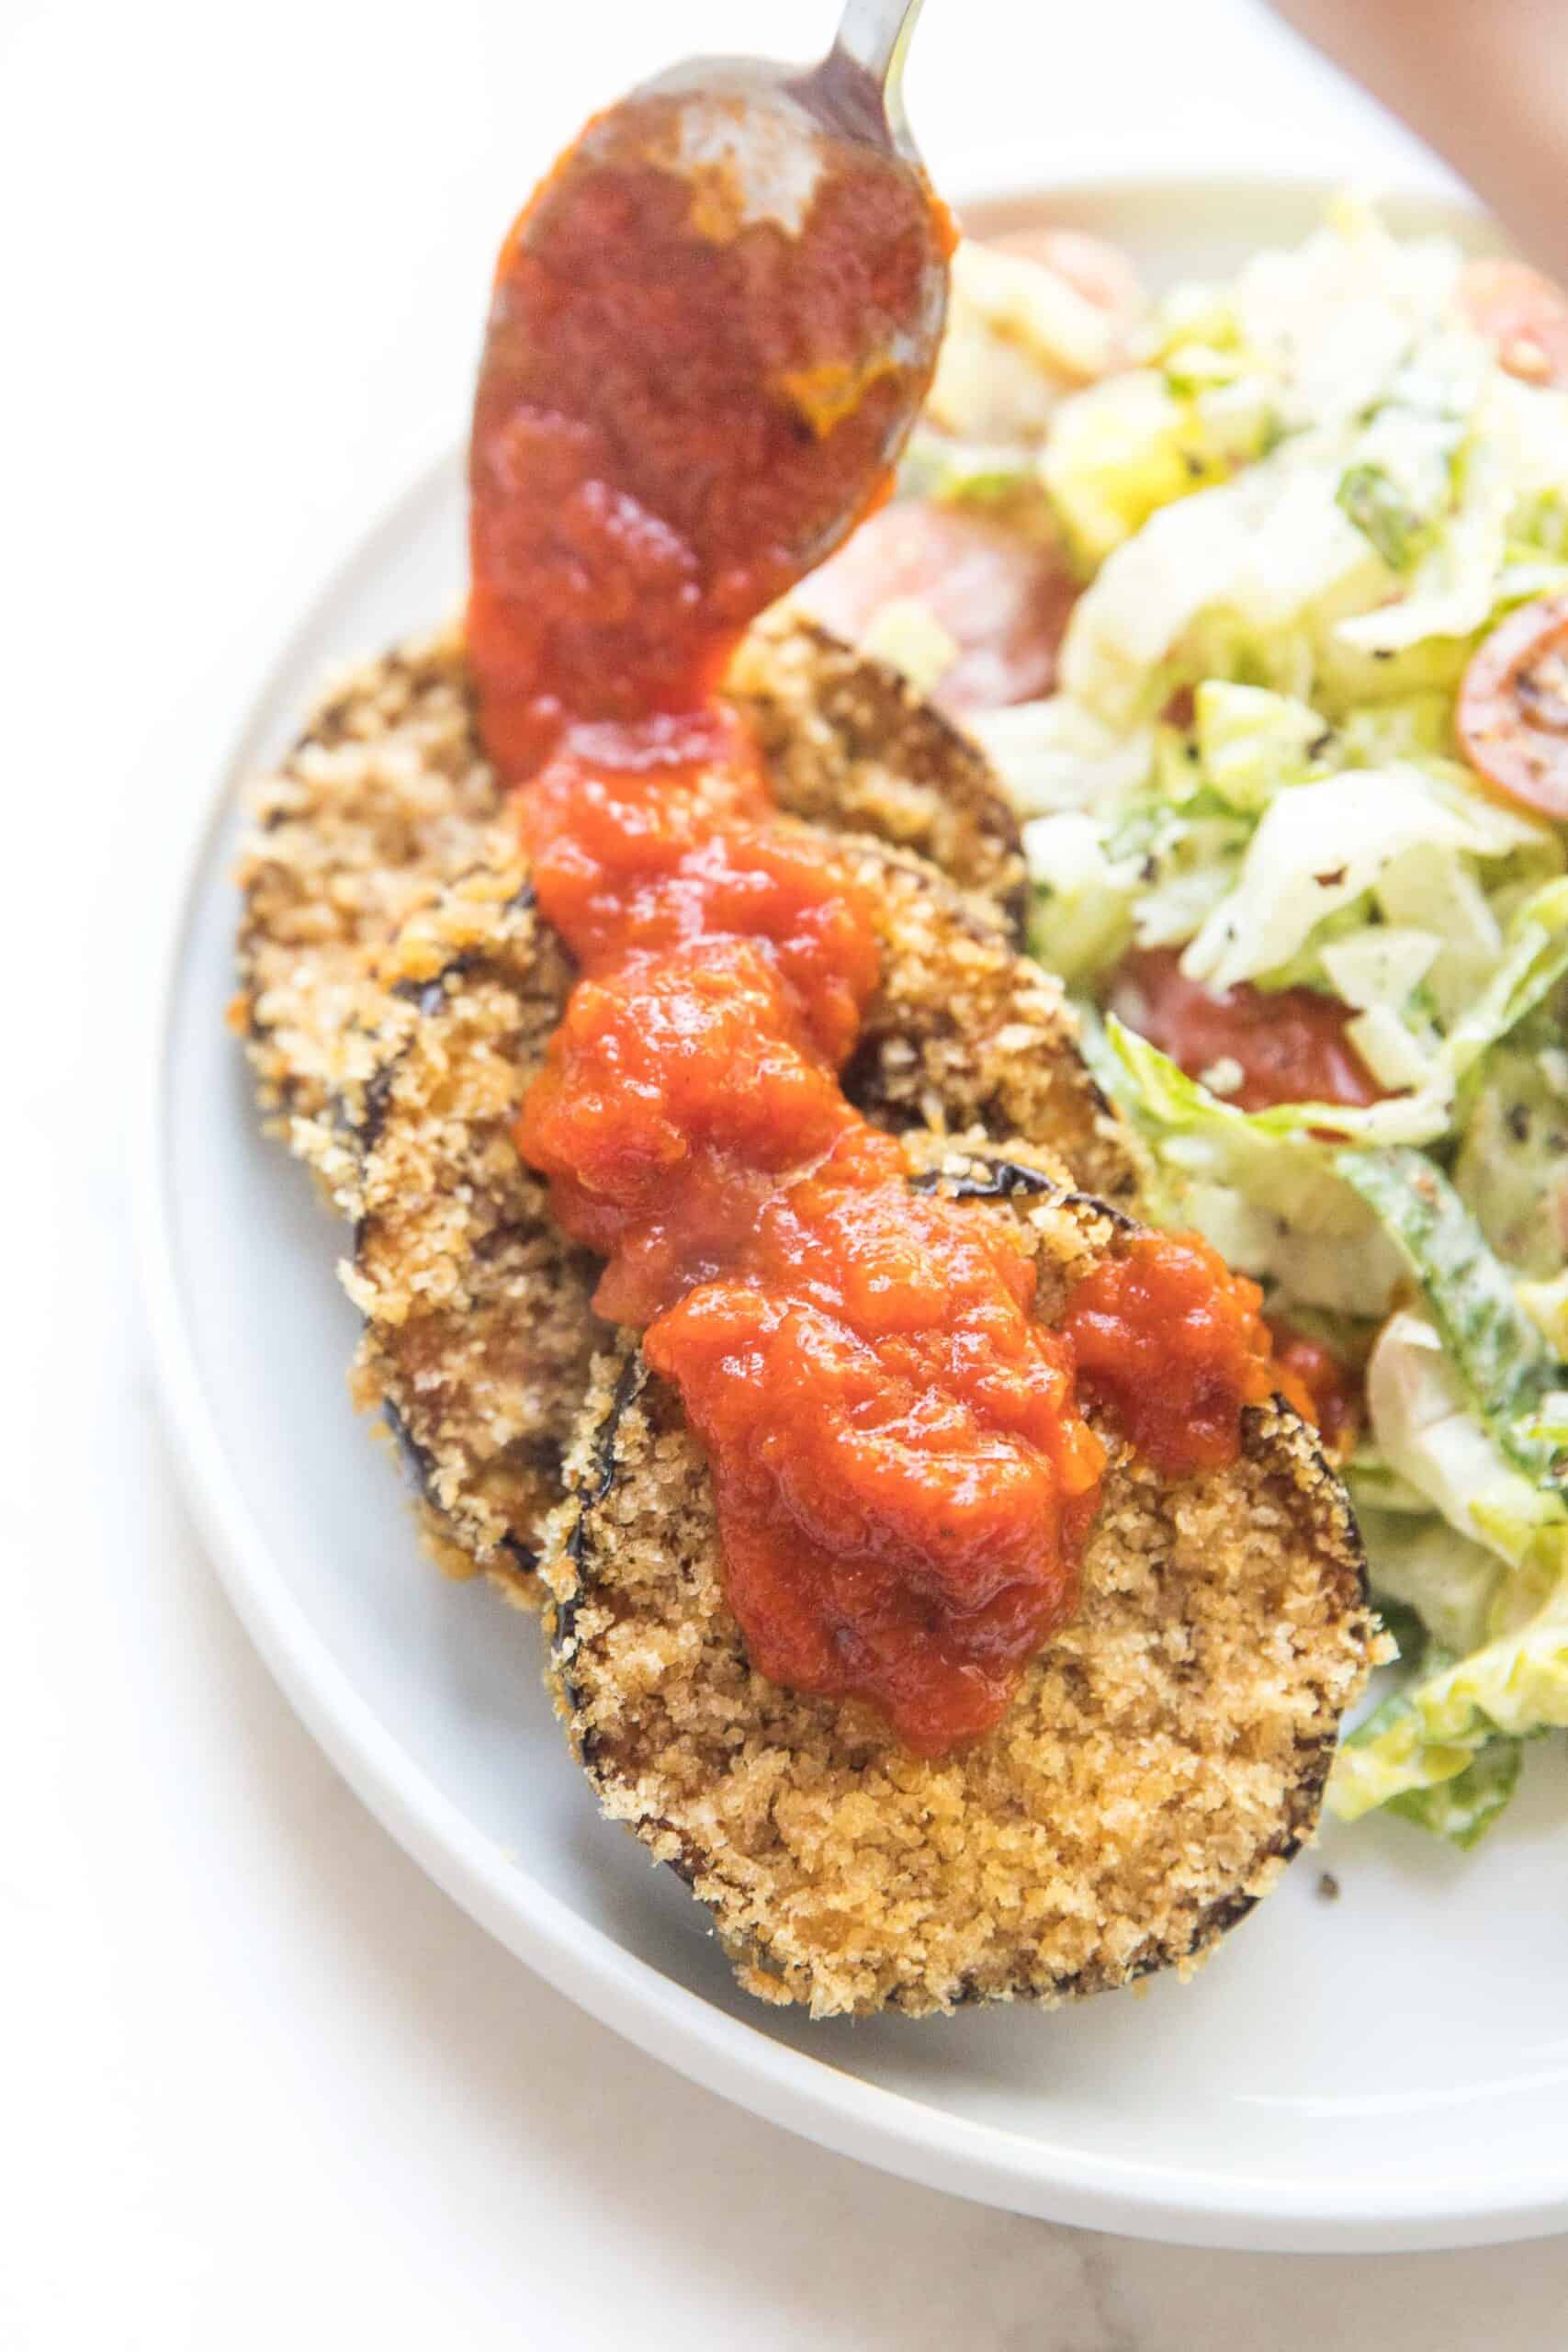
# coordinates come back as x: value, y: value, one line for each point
x: 713, y: 328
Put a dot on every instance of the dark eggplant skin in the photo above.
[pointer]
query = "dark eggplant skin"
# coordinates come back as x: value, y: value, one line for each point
x: 636, y: 1411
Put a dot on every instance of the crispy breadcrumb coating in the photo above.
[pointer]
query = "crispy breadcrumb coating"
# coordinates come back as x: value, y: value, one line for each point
x: 478, y: 1328
x: 1163, y: 1759
x: 388, y: 797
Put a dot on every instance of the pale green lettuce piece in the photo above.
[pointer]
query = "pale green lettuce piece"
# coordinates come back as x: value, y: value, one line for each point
x: 1429, y: 1433
x: 1318, y: 849
x: 1512, y: 1171
x: 1260, y: 1185
x: 1395, y: 1055
x: 1497, y: 1351
x: 1167, y: 1095
x: 1463, y: 1809
x: 1535, y: 958
x: 1448, y: 1579
x: 1452, y: 588
x: 1400, y: 485
x: 1446, y: 1719
x: 1414, y: 726
x: 1376, y: 1486
x: 1082, y: 914
x: 1258, y: 552
x: 1455, y: 1792
x: 1380, y: 965
x: 964, y: 473
x: 1121, y: 449
x: 1546, y: 1304
x: 1057, y: 754
x: 1251, y: 742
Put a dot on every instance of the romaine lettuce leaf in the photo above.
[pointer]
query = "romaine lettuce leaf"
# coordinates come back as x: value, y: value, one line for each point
x: 1463, y: 1809
x: 1512, y: 1167
x: 1321, y: 847
x: 1453, y: 1709
x: 1498, y: 1352
x: 1057, y: 754
x: 1260, y: 1185
x: 1250, y: 742
x: 1447, y: 1580
x: 1429, y: 1433
x: 1534, y: 960
x: 1165, y: 1094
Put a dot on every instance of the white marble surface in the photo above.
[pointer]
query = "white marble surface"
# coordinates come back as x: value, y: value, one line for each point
x: 262, y: 2085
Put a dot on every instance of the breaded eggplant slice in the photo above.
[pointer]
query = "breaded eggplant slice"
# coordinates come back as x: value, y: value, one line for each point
x: 479, y: 1334
x: 478, y: 1330
x: 1164, y: 1757
x: 849, y: 742
x: 386, y: 797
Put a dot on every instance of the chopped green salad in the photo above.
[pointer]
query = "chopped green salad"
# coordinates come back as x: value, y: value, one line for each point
x: 1299, y: 504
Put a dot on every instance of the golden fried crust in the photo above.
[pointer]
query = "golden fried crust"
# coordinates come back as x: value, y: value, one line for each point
x: 848, y: 742
x: 477, y: 1331
x: 1164, y: 1757
x: 386, y: 798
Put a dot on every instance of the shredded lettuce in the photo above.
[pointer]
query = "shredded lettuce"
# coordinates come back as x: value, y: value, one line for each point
x: 1164, y: 1093
x: 1448, y: 1718
x: 1260, y: 1185
x: 1497, y: 1351
x: 1299, y: 514
x: 1535, y: 959
x: 1134, y: 444
x: 1448, y: 1582
x: 1325, y: 846
x: 1430, y: 1434
x: 1250, y: 742
x: 1512, y: 1166
x: 1465, y: 1808
x: 967, y: 473
x: 1019, y: 338
x: 1055, y: 754
x: 1451, y: 1789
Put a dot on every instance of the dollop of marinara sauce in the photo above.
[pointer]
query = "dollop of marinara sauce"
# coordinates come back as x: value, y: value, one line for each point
x: 678, y: 409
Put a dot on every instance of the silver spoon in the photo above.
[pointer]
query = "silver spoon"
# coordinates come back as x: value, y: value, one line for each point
x: 758, y: 136
x: 731, y: 290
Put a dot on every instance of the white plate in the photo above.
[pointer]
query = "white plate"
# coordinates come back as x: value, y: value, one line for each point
x: 1386, y: 2070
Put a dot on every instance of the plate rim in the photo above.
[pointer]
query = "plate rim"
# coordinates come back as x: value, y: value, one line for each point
x: 987, y: 2163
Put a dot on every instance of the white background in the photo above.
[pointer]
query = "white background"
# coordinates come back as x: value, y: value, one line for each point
x: 260, y: 2085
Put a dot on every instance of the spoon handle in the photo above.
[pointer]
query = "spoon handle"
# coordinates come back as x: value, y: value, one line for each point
x: 874, y: 35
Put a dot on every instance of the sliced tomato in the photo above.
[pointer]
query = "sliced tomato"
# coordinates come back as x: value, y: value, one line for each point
x: 1513, y: 708
x: 1002, y: 598
x: 1522, y: 314
x: 1289, y: 1045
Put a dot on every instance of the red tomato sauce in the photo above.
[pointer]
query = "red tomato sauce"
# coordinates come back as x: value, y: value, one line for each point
x: 903, y: 1472
x: 1288, y: 1045
x: 903, y: 1476
x: 1325, y: 1390
x: 1173, y: 1344
x: 678, y: 412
